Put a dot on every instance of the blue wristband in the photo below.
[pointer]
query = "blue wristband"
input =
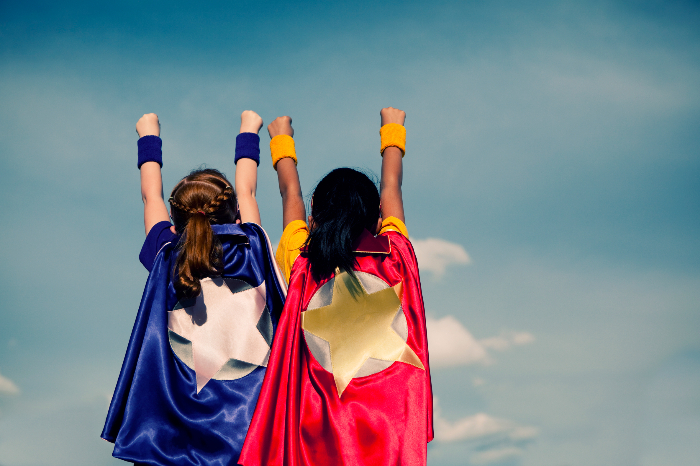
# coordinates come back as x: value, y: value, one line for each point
x: 248, y: 147
x: 150, y: 150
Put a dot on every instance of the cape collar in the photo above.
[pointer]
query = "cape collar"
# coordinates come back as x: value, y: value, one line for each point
x: 229, y: 229
x: 367, y: 243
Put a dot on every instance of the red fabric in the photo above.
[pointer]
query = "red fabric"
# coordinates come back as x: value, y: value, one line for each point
x: 369, y: 243
x: 382, y: 419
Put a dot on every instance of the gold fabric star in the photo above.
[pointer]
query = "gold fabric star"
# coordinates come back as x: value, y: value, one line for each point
x: 358, y: 326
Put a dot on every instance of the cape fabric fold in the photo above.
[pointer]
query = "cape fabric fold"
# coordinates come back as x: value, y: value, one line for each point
x: 383, y: 418
x: 156, y: 415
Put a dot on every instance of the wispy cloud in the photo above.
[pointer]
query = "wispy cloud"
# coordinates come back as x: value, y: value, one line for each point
x: 451, y: 344
x: 507, y: 339
x: 496, y: 455
x: 479, y: 426
x: 495, y: 439
x: 435, y: 254
x: 7, y: 386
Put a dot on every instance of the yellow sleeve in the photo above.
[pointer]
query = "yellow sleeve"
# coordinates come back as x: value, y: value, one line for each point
x: 393, y: 224
x: 293, y: 238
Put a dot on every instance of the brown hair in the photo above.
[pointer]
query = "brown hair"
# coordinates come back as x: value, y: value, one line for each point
x: 201, y: 198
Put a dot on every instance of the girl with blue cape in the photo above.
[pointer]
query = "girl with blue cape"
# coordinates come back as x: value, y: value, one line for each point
x: 200, y: 345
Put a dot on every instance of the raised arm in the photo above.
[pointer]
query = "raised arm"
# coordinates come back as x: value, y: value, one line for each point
x: 154, y: 209
x: 392, y: 170
x: 287, y: 175
x: 247, y: 172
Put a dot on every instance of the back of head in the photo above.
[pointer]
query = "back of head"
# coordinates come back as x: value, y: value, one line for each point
x: 344, y: 203
x: 201, y: 198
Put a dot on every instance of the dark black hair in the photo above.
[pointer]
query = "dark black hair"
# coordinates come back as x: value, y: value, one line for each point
x: 344, y: 203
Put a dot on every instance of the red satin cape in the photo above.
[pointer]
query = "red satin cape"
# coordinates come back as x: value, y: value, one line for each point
x: 381, y: 419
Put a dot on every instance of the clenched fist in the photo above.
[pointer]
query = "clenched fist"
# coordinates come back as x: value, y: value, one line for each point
x: 250, y: 122
x: 392, y: 115
x: 148, y: 125
x: 281, y: 125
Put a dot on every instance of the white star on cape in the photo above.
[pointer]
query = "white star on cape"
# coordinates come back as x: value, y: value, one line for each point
x: 223, y: 325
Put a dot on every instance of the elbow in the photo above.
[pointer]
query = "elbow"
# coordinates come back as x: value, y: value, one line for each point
x: 391, y: 181
x: 245, y: 195
x: 245, y: 189
x: 287, y: 190
x: 391, y: 185
x: 151, y: 197
x: 289, y: 193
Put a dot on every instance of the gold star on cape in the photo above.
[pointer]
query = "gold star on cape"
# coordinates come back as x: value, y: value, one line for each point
x: 358, y: 326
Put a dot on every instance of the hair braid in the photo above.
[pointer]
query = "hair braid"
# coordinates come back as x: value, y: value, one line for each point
x: 215, y: 203
x: 210, y: 207
x: 205, y: 192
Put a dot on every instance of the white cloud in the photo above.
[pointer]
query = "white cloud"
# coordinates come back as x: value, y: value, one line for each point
x: 451, y: 344
x: 496, y: 455
x: 524, y: 433
x: 474, y: 427
x: 494, y: 439
x: 7, y: 386
x: 479, y: 426
x: 507, y: 339
x: 436, y: 254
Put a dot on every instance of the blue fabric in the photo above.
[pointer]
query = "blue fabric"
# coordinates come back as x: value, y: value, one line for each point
x: 150, y: 150
x: 156, y: 238
x: 248, y: 147
x: 156, y: 416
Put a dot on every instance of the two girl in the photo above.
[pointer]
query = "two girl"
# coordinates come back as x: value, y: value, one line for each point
x: 347, y: 378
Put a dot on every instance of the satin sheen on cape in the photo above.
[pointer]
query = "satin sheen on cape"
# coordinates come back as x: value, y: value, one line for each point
x: 156, y: 416
x: 380, y: 419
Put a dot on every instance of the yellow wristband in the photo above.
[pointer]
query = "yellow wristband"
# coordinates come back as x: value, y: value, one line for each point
x: 393, y: 135
x: 281, y: 147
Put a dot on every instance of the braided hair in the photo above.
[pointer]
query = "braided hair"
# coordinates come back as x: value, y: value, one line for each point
x: 201, y: 198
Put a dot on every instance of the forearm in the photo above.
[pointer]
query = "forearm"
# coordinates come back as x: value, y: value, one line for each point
x: 247, y: 159
x: 150, y: 161
x: 246, y: 186
x: 154, y: 209
x: 290, y: 189
x: 392, y: 179
x: 285, y: 162
x: 393, y: 137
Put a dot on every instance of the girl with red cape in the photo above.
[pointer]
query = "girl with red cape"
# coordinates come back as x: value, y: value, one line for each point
x: 348, y: 381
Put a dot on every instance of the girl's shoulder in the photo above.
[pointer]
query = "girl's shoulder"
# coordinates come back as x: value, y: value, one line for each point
x: 158, y: 236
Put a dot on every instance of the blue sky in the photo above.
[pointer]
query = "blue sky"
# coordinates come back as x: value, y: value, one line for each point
x: 551, y: 188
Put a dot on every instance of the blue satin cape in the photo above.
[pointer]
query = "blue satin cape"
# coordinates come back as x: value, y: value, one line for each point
x: 156, y: 416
